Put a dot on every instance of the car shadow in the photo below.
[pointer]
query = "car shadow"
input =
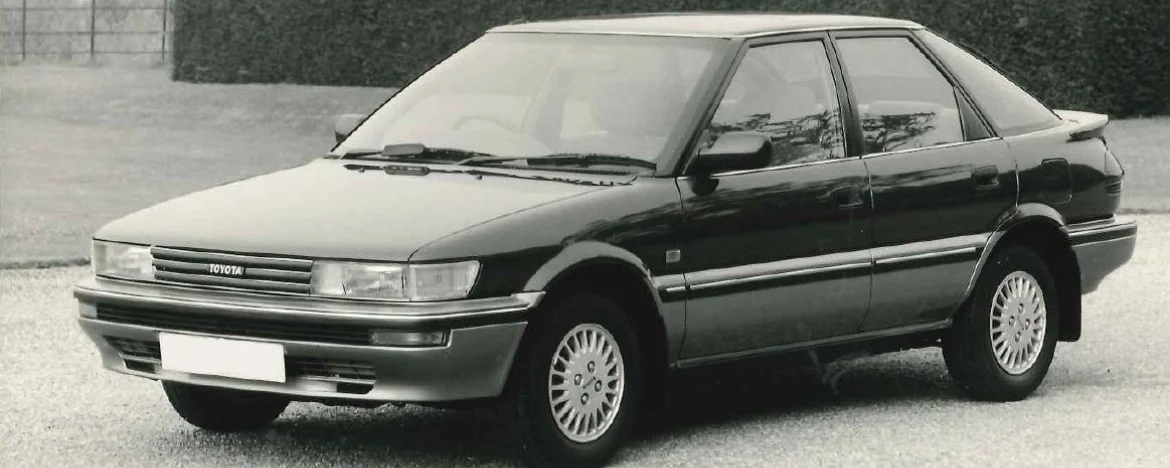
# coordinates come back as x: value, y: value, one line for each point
x: 316, y: 435
x: 746, y: 392
x: 719, y: 397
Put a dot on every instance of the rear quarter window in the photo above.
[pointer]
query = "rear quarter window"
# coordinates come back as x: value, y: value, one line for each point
x: 1012, y: 110
x: 904, y: 101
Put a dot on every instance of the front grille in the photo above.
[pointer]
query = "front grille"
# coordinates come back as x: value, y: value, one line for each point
x: 288, y: 275
x: 238, y: 326
x: 326, y: 370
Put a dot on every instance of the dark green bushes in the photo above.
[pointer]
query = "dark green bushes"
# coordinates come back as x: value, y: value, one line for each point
x: 1103, y: 55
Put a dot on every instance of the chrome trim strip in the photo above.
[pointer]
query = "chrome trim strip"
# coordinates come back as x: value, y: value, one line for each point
x: 391, y: 314
x: 791, y: 265
x: 1090, y: 228
x: 924, y: 256
x: 676, y: 289
x: 927, y: 148
x: 706, y: 279
x: 669, y: 282
x: 1116, y: 239
x: 912, y: 251
x: 1091, y: 224
x: 778, y: 275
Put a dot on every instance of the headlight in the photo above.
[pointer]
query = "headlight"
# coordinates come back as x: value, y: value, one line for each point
x: 122, y: 260
x: 427, y: 282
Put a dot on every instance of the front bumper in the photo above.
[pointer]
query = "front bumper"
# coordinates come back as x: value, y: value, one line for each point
x: 1102, y: 247
x: 325, y: 357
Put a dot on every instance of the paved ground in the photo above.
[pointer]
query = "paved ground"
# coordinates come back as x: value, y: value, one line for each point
x: 1106, y: 403
x: 80, y: 147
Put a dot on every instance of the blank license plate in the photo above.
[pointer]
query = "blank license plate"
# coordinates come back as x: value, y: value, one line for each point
x: 223, y: 357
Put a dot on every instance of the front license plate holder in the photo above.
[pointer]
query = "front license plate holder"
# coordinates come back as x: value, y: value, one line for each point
x: 223, y: 357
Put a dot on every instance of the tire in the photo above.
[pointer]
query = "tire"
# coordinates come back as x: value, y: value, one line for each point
x: 529, y: 402
x: 223, y: 410
x: 970, y: 346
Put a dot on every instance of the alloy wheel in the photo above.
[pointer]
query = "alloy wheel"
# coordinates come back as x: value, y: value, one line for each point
x: 1018, y: 322
x: 586, y: 381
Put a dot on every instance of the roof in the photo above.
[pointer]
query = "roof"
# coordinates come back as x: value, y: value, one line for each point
x: 705, y: 24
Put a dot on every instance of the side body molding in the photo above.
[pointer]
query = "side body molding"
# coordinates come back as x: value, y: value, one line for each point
x: 586, y: 253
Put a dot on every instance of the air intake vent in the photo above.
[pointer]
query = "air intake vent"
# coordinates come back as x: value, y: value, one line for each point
x: 238, y: 326
x: 136, y: 350
x: 331, y: 370
x: 353, y: 375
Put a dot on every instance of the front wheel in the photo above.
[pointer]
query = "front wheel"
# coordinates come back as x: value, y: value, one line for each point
x: 223, y: 410
x: 577, y: 389
x: 1002, y: 344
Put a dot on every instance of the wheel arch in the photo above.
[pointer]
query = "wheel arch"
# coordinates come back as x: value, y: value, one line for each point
x: 1043, y: 229
x: 619, y: 274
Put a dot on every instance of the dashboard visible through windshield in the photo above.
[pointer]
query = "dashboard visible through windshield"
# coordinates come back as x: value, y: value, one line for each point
x: 522, y: 95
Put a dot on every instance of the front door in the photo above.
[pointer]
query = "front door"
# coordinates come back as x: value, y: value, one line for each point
x: 777, y: 255
x: 940, y: 179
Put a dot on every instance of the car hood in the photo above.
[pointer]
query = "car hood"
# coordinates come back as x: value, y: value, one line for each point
x: 323, y: 210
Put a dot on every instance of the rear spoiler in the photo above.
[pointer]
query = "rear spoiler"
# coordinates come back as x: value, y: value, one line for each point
x: 1085, y: 125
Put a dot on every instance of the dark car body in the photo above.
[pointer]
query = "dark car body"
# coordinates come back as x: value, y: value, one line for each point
x: 717, y: 266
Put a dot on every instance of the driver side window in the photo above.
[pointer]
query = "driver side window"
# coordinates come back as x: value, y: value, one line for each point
x: 786, y: 91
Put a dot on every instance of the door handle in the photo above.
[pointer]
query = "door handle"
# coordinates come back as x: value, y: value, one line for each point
x: 847, y: 197
x: 986, y: 177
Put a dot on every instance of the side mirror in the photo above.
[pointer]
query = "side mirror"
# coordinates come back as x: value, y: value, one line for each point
x: 735, y: 151
x: 345, y: 124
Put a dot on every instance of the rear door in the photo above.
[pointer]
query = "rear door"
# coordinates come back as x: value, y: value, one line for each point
x: 777, y: 255
x: 940, y: 178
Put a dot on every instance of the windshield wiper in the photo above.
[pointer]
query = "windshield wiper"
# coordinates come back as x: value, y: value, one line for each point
x: 564, y: 159
x: 414, y: 152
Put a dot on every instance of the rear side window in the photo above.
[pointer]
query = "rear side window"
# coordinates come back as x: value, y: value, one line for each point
x: 904, y: 101
x: 1010, y: 109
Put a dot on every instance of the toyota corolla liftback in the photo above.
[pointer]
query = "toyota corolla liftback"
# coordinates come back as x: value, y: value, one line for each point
x: 560, y: 214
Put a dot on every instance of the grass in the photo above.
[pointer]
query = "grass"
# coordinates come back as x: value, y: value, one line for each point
x: 82, y: 146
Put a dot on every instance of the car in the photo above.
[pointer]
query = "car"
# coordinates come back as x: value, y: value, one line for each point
x: 562, y: 214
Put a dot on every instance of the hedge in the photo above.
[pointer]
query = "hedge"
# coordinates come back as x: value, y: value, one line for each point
x: 1103, y: 55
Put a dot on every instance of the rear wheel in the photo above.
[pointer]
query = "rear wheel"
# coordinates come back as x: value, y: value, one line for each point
x: 1003, y: 342
x: 575, y: 393
x: 221, y: 409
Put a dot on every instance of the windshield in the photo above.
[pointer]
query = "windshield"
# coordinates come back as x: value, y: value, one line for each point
x: 515, y: 95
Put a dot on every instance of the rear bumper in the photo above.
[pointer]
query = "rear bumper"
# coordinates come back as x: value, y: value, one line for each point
x: 321, y: 338
x: 1102, y: 247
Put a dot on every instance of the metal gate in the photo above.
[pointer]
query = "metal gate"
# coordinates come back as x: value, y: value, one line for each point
x: 85, y: 31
